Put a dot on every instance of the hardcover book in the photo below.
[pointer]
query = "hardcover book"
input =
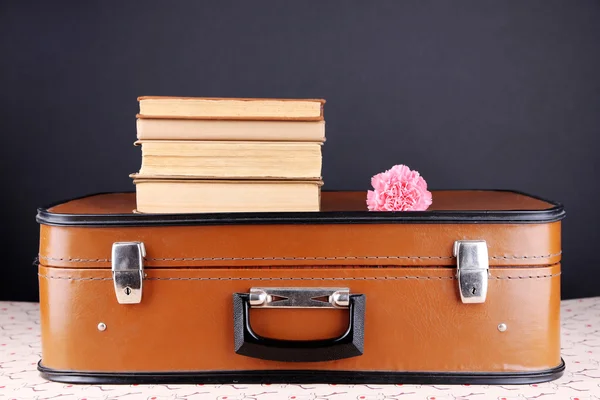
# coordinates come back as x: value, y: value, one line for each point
x: 168, y: 196
x: 230, y: 108
x: 218, y: 159
x: 212, y: 129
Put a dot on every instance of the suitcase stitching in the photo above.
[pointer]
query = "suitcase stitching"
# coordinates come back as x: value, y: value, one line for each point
x: 393, y: 278
x: 297, y: 258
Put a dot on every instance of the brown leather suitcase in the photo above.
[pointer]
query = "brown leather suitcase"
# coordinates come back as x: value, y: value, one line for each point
x: 466, y: 292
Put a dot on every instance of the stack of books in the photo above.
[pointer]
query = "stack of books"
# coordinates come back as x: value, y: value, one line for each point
x: 229, y: 155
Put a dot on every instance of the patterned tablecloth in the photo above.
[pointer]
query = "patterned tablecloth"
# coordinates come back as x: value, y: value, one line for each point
x: 20, y: 351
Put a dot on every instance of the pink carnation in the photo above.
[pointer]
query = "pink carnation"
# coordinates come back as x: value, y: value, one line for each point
x: 398, y: 189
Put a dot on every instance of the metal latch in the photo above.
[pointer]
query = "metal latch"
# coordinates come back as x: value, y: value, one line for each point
x: 472, y: 265
x: 299, y: 297
x: 128, y: 271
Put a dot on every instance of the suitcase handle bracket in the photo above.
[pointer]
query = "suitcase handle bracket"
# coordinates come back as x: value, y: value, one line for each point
x: 249, y: 343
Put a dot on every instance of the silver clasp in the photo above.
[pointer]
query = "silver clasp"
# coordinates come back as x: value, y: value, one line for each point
x: 472, y: 266
x: 299, y: 297
x: 128, y: 271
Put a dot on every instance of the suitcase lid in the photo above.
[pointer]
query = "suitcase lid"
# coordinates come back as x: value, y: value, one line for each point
x: 345, y: 207
x: 519, y: 230
x: 471, y: 231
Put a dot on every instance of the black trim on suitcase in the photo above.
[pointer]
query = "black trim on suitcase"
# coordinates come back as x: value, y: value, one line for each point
x: 303, y: 377
x: 552, y: 214
x: 250, y: 344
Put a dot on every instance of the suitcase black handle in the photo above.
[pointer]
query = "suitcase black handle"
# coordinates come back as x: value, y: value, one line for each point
x: 250, y: 344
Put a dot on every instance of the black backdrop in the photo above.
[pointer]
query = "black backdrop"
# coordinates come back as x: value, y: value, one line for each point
x: 473, y: 94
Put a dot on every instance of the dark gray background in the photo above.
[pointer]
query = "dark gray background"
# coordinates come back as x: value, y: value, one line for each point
x: 473, y: 94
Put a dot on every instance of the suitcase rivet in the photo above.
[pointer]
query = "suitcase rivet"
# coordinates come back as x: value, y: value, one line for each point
x: 502, y: 327
x: 101, y: 326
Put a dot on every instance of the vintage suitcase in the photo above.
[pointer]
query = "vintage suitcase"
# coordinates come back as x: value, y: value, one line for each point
x: 466, y: 292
